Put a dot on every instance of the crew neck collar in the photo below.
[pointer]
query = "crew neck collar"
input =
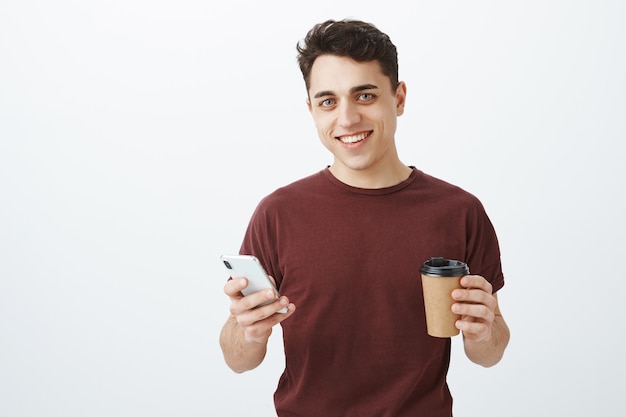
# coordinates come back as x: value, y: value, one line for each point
x: 371, y: 191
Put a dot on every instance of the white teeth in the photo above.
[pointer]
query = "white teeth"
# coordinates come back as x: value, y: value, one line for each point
x: 354, y: 138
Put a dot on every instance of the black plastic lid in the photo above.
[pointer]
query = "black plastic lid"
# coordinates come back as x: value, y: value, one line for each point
x: 442, y: 267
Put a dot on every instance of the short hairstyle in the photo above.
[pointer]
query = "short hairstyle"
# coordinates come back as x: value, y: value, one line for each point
x: 359, y: 40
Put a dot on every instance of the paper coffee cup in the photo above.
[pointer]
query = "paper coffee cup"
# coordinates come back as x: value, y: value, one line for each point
x: 440, y: 276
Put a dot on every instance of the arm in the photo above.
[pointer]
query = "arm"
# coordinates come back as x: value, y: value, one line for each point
x: 245, y: 334
x: 485, y: 333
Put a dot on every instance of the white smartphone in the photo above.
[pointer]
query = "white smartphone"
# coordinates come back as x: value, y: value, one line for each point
x: 248, y: 266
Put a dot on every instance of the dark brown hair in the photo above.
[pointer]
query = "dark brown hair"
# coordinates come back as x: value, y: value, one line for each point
x: 355, y: 39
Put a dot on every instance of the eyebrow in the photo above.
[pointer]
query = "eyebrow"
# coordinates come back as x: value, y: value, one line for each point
x: 352, y: 90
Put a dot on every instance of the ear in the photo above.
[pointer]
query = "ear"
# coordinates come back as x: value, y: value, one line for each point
x: 308, y: 104
x: 400, y: 98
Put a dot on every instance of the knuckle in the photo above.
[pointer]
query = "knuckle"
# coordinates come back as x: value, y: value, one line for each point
x: 484, y: 311
x: 227, y: 289
x: 258, y: 314
x: 238, y: 317
x: 256, y: 331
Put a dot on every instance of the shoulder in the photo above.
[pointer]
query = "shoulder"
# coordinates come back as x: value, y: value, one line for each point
x: 444, y: 191
x: 293, y: 192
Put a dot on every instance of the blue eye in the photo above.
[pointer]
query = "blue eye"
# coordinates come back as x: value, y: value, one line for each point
x: 327, y: 103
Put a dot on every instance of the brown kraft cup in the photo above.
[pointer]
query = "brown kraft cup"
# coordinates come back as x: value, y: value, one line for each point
x: 440, y: 276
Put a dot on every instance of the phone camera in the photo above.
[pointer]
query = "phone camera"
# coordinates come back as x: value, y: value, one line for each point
x: 228, y: 265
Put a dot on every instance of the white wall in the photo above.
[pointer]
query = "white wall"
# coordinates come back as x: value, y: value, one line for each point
x: 136, y: 138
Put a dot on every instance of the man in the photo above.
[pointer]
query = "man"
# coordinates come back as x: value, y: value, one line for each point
x: 345, y: 246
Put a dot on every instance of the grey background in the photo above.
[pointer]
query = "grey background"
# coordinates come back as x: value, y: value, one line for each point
x: 137, y: 137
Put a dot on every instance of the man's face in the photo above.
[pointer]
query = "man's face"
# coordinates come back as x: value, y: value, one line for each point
x: 355, y: 112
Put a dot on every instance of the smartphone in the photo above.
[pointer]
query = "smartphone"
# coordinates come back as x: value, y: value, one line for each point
x: 248, y: 266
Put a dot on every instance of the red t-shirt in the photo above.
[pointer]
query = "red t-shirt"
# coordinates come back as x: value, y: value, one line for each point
x: 350, y: 259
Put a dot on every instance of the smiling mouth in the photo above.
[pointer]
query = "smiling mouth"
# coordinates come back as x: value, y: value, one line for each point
x: 350, y: 139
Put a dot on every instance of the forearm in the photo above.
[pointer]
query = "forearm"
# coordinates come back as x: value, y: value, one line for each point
x: 488, y: 353
x: 240, y: 355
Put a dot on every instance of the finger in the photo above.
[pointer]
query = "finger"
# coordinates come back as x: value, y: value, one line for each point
x: 251, y: 301
x: 234, y: 286
x: 474, y: 296
x: 260, y: 330
x: 474, y: 330
x: 268, y: 313
x: 476, y: 281
x: 478, y: 312
x: 272, y: 279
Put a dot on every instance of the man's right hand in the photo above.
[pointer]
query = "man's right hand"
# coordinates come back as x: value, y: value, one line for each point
x: 256, y: 321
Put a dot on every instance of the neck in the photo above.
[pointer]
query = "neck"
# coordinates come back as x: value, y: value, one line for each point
x: 372, y: 178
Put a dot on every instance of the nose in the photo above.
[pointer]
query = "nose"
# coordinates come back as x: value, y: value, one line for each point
x: 348, y: 114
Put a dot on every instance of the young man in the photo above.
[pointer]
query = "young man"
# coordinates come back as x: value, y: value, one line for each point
x: 345, y: 245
